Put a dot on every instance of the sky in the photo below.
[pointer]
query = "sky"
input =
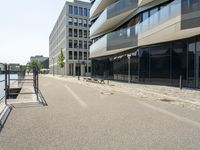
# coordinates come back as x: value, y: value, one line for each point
x: 25, y: 26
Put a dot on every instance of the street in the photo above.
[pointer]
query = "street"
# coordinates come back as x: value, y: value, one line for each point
x: 79, y: 117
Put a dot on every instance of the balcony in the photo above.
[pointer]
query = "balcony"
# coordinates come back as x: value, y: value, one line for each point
x: 112, y: 16
x: 114, y: 42
x: 122, y: 39
x: 160, y: 23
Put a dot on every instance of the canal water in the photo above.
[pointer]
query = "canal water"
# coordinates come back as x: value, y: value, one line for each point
x: 2, y: 84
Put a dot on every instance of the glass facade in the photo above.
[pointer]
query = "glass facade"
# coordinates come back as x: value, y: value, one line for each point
x: 155, y: 64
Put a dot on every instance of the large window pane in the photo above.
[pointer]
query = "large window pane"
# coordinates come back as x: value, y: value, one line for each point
x: 179, y: 61
x: 191, y: 62
x: 160, y: 63
x: 134, y: 62
x: 144, y: 64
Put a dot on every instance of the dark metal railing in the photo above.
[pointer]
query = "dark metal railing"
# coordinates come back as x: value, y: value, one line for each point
x: 10, y: 92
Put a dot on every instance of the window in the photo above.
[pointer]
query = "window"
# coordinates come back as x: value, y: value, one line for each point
x: 70, y: 21
x: 153, y: 16
x: 85, y: 44
x: 198, y: 45
x: 75, y: 21
x: 144, y: 63
x: 75, y: 10
x: 75, y: 33
x: 80, y: 22
x: 85, y: 55
x: 70, y: 9
x: 80, y: 11
x: 80, y: 44
x: 75, y: 43
x: 194, y: 5
x: 80, y: 33
x: 85, y: 22
x: 160, y: 62
x: 70, y: 55
x: 179, y: 61
x: 70, y: 32
x: 191, y: 61
x: 70, y: 44
x: 85, y: 12
x: 75, y: 55
x: 80, y: 55
x: 85, y: 33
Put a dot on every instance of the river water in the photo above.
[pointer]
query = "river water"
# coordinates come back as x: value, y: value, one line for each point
x: 2, y: 84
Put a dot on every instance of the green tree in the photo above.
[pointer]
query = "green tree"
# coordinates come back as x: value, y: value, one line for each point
x: 61, y: 59
x: 34, y: 64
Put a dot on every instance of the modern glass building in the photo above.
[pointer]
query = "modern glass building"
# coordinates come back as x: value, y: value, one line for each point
x: 146, y: 41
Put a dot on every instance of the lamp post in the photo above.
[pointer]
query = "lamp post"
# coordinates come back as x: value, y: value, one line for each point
x: 129, y: 68
x: 53, y: 65
x: 78, y: 63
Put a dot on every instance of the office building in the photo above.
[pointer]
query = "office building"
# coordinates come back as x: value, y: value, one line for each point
x: 71, y: 34
x: 146, y: 41
x: 44, y: 61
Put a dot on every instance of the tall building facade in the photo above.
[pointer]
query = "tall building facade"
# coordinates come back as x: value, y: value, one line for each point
x: 71, y: 34
x: 146, y: 41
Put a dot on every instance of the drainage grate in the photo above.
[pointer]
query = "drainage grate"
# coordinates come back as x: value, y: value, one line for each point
x: 106, y: 93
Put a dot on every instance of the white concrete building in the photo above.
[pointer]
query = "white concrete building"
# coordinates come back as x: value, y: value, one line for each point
x: 71, y: 34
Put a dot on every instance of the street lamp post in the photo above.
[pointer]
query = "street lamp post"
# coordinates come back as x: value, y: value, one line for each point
x: 53, y: 65
x: 129, y: 68
x: 78, y: 63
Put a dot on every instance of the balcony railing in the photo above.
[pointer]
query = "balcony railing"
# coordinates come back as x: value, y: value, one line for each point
x: 165, y: 14
x: 123, y: 38
x: 120, y: 7
x: 128, y: 37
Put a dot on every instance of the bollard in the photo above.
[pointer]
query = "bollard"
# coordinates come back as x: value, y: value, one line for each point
x: 180, y: 82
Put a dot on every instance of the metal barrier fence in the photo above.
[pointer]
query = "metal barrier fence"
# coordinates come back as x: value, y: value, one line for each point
x: 10, y: 92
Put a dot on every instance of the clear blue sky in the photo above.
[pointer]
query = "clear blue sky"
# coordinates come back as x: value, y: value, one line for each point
x: 25, y: 26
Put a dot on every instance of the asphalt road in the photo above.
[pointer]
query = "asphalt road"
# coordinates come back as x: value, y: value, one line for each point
x: 83, y: 118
